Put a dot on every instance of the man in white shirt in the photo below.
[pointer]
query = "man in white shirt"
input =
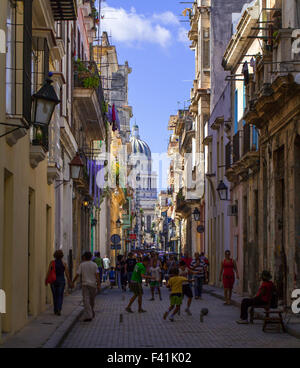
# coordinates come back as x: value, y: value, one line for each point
x: 106, y: 266
x: 89, y: 273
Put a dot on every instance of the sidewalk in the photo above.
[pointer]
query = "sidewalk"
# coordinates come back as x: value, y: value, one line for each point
x: 292, y: 322
x: 48, y: 330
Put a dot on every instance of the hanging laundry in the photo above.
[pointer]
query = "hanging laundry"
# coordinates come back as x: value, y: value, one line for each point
x: 91, y: 177
x: 245, y: 71
x: 109, y: 114
x: 118, y: 120
x: 95, y: 182
x: 113, y: 113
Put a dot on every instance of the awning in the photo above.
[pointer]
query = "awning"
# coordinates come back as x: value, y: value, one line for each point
x: 64, y: 9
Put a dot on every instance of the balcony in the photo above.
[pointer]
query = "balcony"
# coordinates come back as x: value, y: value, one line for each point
x: 188, y: 133
x: 39, y: 146
x: 89, y: 98
x: 64, y: 9
x: 245, y: 155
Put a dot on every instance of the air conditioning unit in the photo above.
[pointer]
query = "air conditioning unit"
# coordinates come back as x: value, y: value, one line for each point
x: 232, y: 210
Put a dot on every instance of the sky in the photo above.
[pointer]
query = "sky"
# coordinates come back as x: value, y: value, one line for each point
x: 152, y: 38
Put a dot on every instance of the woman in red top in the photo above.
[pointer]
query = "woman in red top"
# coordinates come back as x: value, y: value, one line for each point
x: 228, y: 268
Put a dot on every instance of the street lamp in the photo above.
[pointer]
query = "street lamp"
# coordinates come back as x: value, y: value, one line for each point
x: 196, y: 214
x: 43, y: 103
x: 86, y: 202
x: 76, y: 166
x: 223, y: 191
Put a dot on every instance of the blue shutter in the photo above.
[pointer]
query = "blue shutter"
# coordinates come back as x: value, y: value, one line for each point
x: 254, y: 137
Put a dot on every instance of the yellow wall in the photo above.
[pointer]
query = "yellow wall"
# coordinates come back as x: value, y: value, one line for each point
x: 15, y: 233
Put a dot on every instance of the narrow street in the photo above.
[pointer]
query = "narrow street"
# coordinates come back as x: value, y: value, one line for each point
x: 149, y: 330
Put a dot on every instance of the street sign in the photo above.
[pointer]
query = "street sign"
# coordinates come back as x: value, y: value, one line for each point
x: 132, y: 236
x: 200, y: 229
x: 115, y: 247
x: 115, y: 239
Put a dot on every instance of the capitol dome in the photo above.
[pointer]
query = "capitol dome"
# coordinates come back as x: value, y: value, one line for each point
x: 139, y: 147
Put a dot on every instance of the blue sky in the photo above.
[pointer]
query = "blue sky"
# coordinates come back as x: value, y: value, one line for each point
x: 151, y: 37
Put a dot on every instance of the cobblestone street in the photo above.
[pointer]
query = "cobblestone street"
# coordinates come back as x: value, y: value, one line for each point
x: 115, y: 328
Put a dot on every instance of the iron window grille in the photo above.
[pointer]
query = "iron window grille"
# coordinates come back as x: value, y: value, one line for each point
x: 18, y: 59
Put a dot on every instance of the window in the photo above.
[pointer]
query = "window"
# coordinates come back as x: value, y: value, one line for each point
x: 206, y: 49
x: 40, y: 63
x: 18, y: 59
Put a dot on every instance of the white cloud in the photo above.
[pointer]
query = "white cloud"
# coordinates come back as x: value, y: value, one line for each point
x: 183, y: 35
x: 166, y: 18
x: 131, y: 27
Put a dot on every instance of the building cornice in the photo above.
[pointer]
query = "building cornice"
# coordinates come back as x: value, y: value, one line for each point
x: 240, y: 40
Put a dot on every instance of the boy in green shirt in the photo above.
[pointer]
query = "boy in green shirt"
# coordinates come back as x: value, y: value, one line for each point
x: 136, y: 284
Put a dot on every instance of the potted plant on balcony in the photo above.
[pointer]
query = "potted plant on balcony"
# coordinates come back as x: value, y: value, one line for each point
x: 92, y: 81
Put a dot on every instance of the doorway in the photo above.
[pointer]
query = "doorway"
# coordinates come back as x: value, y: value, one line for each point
x: 30, y: 250
x: 280, y: 269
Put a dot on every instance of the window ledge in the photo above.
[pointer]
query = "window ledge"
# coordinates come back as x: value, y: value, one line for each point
x: 37, y: 155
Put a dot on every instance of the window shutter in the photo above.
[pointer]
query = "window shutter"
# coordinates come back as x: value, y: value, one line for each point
x: 46, y: 59
x: 27, y: 49
x: 298, y: 13
x: 206, y: 49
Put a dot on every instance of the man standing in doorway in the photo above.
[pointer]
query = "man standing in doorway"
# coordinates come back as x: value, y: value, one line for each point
x: 136, y: 284
x: 89, y: 273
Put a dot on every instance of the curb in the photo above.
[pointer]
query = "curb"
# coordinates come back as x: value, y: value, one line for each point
x: 290, y: 330
x: 60, y: 334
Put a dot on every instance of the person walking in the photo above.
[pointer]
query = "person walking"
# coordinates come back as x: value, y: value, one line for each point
x: 123, y: 273
x: 112, y: 277
x: 99, y: 262
x: 164, y: 269
x: 155, y: 272
x: 228, y: 268
x: 118, y: 271
x: 89, y: 273
x: 106, y: 267
x: 129, y: 266
x: 58, y: 286
x: 199, y: 269
x: 136, y: 284
x: 187, y: 259
x: 261, y: 299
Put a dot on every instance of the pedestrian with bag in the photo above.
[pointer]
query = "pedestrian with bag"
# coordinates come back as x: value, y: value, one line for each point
x: 57, y: 271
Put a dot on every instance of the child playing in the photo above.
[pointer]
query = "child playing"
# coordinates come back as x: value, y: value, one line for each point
x: 186, y: 286
x: 112, y: 277
x: 155, y: 272
x: 175, y: 283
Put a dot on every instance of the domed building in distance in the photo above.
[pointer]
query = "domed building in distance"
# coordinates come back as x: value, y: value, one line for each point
x: 143, y: 180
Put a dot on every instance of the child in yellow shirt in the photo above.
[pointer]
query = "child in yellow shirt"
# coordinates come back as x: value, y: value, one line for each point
x: 175, y: 284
